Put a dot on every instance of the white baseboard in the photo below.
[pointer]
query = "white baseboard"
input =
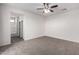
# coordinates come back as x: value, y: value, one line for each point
x: 63, y: 39
x: 33, y: 37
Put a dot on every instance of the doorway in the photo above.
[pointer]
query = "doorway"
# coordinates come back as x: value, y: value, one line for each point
x: 16, y: 23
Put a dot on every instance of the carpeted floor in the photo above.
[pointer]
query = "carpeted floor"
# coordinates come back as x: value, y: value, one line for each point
x: 42, y: 46
x: 16, y: 39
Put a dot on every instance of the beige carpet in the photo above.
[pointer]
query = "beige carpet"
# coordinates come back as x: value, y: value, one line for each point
x: 16, y: 39
x: 43, y: 46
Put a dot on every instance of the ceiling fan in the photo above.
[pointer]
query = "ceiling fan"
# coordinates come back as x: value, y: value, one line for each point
x: 47, y: 8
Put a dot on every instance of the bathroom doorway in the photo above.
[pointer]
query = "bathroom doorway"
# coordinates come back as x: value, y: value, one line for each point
x: 16, y: 22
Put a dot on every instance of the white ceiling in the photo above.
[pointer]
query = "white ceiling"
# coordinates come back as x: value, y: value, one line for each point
x: 32, y: 7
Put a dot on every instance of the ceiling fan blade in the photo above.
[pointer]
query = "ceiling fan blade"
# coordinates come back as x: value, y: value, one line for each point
x: 44, y: 4
x: 40, y: 8
x: 51, y: 11
x: 54, y: 6
x: 47, y: 5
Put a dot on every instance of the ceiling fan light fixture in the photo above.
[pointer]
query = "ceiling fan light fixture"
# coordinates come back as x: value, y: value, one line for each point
x: 46, y: 10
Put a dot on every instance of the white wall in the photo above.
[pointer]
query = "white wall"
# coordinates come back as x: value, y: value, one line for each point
x: 0, y: 27
x: 5, y: 24
x: 32, y: 25
x: 64, y: 26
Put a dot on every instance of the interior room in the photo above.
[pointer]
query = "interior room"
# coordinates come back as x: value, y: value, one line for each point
x: 39, y: 28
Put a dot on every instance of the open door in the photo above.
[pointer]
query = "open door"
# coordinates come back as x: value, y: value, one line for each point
x: 21, y: 29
